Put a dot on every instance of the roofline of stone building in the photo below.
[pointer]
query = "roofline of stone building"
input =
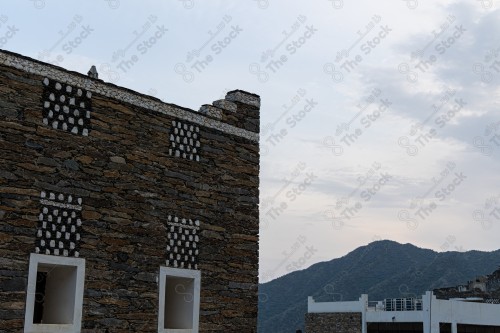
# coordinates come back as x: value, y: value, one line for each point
x: 209, y: 117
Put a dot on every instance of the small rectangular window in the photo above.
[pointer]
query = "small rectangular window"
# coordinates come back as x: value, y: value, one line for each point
x: 179, y: 300
x: 55, y: 294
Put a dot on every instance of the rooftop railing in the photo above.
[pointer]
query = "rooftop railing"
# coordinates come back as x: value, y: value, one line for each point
x: 396, y: 304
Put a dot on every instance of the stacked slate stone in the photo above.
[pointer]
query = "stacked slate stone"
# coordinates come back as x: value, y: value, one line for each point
x: 347, y: 322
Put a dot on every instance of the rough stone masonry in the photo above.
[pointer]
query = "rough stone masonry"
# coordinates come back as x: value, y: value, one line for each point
x: 128, y: 183
x: 346, y: 322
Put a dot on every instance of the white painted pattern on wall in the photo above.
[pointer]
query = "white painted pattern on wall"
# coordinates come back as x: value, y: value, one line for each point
x: 59, y: 225
x: 183, y: 240
x: 185, y: 140
x: 66, y: 107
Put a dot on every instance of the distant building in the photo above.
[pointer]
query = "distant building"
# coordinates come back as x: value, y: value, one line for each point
x: 486, y: 288
x: 403, y: 315
x: 122, y: 213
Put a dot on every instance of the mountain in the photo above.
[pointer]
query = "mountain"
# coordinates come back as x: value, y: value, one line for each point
x: 382, y: 269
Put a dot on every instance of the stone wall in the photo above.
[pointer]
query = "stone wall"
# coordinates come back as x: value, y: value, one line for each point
x: 128, y: 171
x: 347, y: 322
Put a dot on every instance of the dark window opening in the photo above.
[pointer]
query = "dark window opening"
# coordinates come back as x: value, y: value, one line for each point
x: 461, y: 328
x: 395, y: 327
x: 444, y: 327
x: 179, y: 302
x: 41, y: 281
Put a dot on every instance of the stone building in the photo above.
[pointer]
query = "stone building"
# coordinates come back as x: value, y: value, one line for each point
x: 122, y: 213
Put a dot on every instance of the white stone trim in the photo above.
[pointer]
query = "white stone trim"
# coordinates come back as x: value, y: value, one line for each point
x: 120, y: 94
x: 60, y: 204
x: 47, y: 260
x: 185, y: 226
x: 183, y: 273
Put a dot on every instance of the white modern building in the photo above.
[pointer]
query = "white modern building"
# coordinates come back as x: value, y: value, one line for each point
x: 426, y: 315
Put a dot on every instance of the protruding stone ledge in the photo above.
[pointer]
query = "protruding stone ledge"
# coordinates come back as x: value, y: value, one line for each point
x: 211, y: 111
x: 243, y: 97
x: 240, y: 109
x: 225, y: 105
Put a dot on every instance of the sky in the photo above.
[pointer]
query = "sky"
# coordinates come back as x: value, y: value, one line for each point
x: 379, y: 119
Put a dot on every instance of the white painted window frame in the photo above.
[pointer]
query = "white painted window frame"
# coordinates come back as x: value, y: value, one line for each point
x: 184, y: 273
x: 35, y: 261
